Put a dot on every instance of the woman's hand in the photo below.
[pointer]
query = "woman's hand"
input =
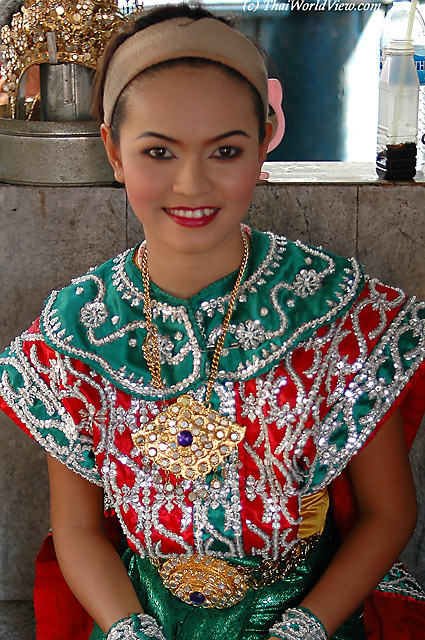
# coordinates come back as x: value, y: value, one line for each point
x: 382, y: 481
x: 88, y: 560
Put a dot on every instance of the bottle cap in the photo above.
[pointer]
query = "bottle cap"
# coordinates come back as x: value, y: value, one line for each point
x: 400, y: 46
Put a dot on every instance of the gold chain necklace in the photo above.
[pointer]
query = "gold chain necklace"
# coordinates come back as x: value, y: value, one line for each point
x: 189, y: 438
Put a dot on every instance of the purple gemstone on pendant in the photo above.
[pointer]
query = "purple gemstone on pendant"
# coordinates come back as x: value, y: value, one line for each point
x: 185, y: 438
x: 196, y: 597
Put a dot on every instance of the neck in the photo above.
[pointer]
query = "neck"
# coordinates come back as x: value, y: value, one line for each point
x: 183, y: 275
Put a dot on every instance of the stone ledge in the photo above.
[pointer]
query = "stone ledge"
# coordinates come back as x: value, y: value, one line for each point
x: 330, y: 173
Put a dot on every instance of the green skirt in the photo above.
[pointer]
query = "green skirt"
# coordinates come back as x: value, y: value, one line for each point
x: 250, y: 619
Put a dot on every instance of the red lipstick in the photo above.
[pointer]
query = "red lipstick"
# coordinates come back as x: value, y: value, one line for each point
x: 192, y: 216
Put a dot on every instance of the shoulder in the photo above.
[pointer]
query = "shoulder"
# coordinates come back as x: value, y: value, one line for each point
x: 101, y: 300
x: 314, y: 270
x: 49, y: 396
x: 91, y: 284
x: 313, y: 287
x: 375, y: 364
x: 94, y: 320
x: 309, y: 271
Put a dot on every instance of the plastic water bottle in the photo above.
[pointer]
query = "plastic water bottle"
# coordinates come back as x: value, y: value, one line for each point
x: 398, y: 113
x: 420, y: 68
x: 395, y: 28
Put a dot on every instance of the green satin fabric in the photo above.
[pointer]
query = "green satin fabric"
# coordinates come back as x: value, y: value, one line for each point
x: 250, y: 619
x: 111, y: 351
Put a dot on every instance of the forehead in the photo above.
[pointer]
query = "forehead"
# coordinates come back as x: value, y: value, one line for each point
x: 189, y: 90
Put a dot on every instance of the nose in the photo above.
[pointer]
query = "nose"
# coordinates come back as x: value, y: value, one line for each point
x: 191, y: 178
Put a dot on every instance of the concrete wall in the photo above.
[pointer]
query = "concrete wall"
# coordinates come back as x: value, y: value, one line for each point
x: 49, y: 234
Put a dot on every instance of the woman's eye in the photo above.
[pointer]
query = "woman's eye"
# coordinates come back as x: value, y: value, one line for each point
x: 226, y: 152
x: 159, y: 153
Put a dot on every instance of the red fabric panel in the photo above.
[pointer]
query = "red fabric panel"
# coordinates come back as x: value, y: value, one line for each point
x: 389, y: 617
x: 413, y: 406
x: 58, y: 613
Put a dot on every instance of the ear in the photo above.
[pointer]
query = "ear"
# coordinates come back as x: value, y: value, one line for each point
x: 264, y: 145
x: 113, y: 153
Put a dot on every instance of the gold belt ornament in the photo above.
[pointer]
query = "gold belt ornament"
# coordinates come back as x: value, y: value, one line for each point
x: 209, y: 582
x: 204, y: 581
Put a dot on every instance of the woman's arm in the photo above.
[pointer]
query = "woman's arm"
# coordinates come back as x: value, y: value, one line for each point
x: 88, y: 560
x: 385, y: 493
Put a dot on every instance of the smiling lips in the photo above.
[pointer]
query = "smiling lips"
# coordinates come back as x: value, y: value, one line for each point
x: 192, y: 217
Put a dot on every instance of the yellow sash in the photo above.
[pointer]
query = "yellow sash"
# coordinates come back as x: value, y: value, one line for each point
x: 313, y: 512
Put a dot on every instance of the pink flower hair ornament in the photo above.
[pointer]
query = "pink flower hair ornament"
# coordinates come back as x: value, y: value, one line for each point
x: 277, y: 119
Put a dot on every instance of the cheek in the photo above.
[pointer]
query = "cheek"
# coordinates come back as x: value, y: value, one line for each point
x: 241, y: 186
x: 143, y: 185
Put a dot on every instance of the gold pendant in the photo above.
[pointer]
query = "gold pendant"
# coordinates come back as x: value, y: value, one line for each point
x: 189, y: 439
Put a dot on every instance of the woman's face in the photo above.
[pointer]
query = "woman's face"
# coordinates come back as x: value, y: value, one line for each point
x: 189, y: 156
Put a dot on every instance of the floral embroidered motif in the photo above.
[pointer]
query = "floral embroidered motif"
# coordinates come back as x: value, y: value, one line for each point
x: 166, y: 348
x: 93, y: 314
x: 306, y: 283
x: 250, y: 334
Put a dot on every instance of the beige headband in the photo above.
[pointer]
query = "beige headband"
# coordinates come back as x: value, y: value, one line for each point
x: 178, y: 38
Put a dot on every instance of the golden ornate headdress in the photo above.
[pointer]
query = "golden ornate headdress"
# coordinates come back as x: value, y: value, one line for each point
x: 51, y: 31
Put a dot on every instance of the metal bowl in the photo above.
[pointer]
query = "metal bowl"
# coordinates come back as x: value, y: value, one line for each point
x: 52, y: 153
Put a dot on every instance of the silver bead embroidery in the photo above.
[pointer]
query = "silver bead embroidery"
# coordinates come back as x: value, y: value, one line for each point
x: 191, y: 349
x: 126, y: 629
x: 298, y: 624
x: 148, y: 494
x: 306, y: 283
x: 399, y: 580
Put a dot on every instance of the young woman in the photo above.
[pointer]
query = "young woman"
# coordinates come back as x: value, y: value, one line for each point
x: 234, y: 397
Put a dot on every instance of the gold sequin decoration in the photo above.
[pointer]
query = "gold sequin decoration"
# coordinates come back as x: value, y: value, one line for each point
x: 80, y: 33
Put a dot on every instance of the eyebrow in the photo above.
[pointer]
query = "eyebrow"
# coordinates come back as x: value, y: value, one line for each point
x: 153, y: 134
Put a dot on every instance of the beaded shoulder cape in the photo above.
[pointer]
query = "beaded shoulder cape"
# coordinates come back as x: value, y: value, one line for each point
x: 315, y: 358
x: 289, y: 291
